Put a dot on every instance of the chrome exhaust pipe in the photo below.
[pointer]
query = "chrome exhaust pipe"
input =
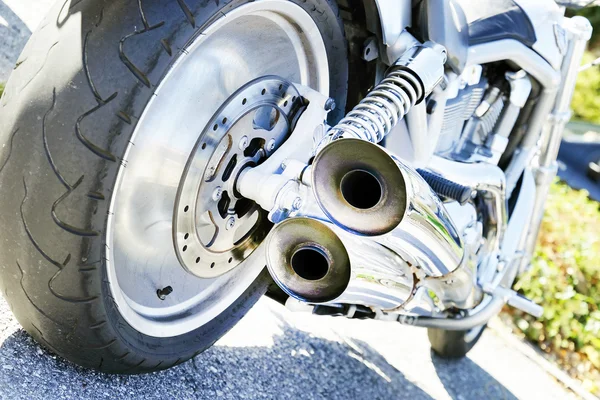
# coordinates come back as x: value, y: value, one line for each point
x: 315, y: 262
x: 366, y: 191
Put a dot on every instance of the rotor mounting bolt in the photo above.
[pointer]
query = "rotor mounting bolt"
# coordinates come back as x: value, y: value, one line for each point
x: 243, y: 143
x: 216, y: 196
x: 330, y: 104
x: 271, y: 145
x: 230, y: 222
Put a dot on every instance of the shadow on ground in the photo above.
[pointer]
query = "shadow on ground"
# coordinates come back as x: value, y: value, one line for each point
x: 456, y: 375
x: 297, y: 365
x: 13, y: 36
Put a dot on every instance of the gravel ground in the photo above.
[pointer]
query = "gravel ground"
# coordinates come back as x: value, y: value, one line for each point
x: 271, y: 353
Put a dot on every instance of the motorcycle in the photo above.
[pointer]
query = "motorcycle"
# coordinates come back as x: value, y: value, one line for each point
x: 165, y: 163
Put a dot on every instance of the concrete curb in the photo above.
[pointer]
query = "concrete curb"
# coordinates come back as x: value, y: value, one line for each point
x: 536, y: 355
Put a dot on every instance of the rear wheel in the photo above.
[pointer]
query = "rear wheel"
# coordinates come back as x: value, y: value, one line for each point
x: 124, y: 246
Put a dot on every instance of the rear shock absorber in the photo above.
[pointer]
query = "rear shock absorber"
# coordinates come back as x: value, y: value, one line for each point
x: 416, y: 73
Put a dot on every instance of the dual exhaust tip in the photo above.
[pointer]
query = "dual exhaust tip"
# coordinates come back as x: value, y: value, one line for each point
x: 308, y: 260
x: 376, y: 209
x: 359, y: 187
x: 351, y: 183
x: 316, y: 262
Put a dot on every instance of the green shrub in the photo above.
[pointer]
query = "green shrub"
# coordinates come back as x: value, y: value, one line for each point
x: 1, y: 88
x: 565, y: 279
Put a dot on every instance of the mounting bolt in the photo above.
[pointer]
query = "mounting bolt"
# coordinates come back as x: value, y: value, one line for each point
x: 271, y: 145
x: 297, y: 203
x: 230, y: 222
x: 330, y: 104
x: 243, y: 143
x: 216, y: 196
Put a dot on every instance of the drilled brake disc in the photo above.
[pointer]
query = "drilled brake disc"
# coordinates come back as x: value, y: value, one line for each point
x: 214, y: 228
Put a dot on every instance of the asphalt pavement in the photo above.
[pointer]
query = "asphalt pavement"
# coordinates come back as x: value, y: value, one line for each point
x: 277, y: 354
x: 579, y: 148
x: 18, y: 18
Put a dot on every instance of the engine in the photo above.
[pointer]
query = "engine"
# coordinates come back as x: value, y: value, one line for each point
x: 479, y: 114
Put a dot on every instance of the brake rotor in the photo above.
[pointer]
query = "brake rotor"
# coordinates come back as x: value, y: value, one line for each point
x: 214, y: 228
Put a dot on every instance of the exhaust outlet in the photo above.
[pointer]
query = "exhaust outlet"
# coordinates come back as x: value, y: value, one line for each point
x: 366, y: 191
x: 315, y: 262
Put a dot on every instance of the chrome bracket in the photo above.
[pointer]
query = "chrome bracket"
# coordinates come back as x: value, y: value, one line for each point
x: 275, y: 184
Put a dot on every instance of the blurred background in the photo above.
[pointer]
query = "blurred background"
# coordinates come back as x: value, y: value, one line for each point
x: 565, y: 272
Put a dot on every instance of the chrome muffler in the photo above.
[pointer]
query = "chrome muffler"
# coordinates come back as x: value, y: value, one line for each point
x: 371, y: 233
x: 365, y: 190
x: 315, y: 262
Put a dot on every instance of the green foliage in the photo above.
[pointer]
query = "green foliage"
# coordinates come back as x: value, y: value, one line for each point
x: 586, y: 99
x: 1, y: 88
x: 565, y: 279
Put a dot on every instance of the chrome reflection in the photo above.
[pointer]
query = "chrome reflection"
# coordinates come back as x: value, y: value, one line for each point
x: 408, y: 218
x: 342, y: 269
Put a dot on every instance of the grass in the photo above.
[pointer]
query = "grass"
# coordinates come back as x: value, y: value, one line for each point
x: 565, y: 279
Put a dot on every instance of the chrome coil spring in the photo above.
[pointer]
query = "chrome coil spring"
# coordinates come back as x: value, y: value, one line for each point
x: 375, y: 116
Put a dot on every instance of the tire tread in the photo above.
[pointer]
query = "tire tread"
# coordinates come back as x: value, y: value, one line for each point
x: 88, y: 333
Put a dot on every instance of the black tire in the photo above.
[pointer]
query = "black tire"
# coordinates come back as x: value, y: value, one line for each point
x: 452, y: 344
x: 55, y: 182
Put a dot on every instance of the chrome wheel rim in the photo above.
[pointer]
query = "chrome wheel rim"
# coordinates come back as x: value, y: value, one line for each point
x: 149, y: 279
